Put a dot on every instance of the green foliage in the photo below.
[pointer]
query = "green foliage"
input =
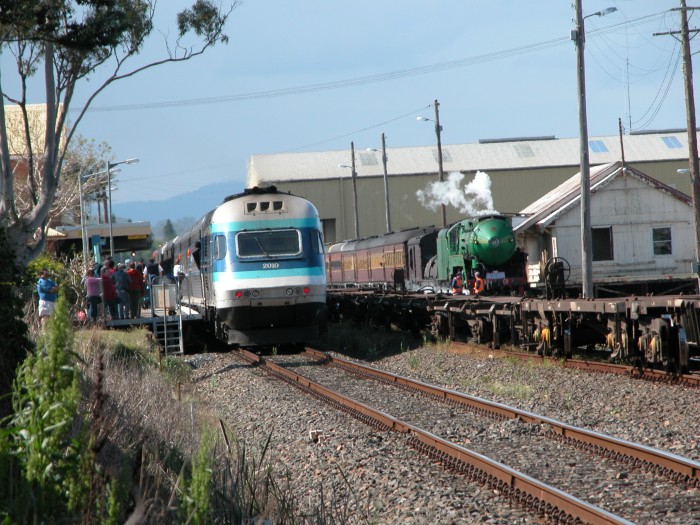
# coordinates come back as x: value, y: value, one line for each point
x: 176, y: 371
x: 116, y: 496
x: 204, y: 19
x: 14, y: 343
x: 169, y: 230
x: 194, y: 504
x: 40, y: 438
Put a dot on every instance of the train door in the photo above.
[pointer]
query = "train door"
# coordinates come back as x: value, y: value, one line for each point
x: 206, y: 269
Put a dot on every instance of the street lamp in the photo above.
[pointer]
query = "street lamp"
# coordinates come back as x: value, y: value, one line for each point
x: 578, y: 36
x: 111, y: 165
x: 438, y: 131
x: 82, y: 178
x: 354, y: 188
x: 386, y: 184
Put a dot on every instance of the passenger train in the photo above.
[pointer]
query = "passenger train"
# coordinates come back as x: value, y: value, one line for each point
x: 254, y: 269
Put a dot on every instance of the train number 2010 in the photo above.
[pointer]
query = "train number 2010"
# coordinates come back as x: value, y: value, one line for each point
x: 267, y: 266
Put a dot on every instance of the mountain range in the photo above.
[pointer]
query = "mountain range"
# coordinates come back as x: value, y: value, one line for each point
x: 192, y: 205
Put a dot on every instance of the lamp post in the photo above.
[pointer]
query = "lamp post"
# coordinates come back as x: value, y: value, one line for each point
x: 438, y: 132
x: 82, y: 178
x: 386, y: 183
x: 579, y: 37
x: 354, y: 188
x: 111, y: 165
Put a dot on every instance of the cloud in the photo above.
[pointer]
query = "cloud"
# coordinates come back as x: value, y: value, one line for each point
x: 472, y: 199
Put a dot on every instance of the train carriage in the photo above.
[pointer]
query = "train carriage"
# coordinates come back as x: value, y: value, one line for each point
x: 254, y: 268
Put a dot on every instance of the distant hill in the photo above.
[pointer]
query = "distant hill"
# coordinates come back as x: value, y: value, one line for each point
x: 187, y: 205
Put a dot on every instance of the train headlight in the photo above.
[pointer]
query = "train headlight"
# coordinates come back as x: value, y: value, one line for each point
x: 289, y: 291
x: 298, y: 291
x: 239, y: 294
x: 256, y: 293
x: 306, y: 290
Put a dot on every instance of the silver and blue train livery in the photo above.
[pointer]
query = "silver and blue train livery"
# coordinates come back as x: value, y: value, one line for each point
x: 254, y: 268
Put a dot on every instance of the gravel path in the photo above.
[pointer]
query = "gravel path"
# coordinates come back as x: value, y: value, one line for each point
x: 374, y: 477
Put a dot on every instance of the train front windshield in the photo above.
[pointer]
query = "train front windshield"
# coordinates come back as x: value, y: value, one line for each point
x: 268, y: 243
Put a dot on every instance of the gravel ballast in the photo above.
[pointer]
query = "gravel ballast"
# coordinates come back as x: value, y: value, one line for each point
x: 375, y: 477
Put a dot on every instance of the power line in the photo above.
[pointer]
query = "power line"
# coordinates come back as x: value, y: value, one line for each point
x: 371, y: 79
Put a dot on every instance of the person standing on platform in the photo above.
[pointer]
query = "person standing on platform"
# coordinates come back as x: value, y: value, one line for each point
x: 48, y: 295
x: 136, y: 290
x: 109, y: 293
x: 93, y: 289
x: 122, y: 282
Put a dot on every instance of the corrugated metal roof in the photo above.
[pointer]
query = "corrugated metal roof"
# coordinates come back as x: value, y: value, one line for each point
x: 490, y: 155
x: 553, y: 204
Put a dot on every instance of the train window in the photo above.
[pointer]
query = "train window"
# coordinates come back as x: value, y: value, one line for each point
x: 602, y: 244
x: 219, y: 247
x: 268, y: 243
x: 661, y: 239
x: 318, y: 241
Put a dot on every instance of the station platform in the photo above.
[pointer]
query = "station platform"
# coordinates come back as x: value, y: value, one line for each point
x: 165, y: 317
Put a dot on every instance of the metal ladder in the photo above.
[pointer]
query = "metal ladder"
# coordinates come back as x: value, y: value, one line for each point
x: 167, y: 317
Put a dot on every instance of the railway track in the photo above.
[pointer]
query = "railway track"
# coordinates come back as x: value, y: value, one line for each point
x: 589, y: 365
x: 611, y: 481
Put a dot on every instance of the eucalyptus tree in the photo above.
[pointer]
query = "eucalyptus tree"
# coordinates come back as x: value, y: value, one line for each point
x: 65, y: 43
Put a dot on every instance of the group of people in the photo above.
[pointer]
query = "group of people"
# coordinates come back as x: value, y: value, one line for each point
x: 474, y: 287
x: 119, y: 286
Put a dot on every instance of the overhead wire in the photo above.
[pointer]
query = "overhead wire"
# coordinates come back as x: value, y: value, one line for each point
x: 381, y: 77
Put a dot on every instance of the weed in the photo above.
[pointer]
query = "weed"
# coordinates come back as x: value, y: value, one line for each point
x: 413, y: 361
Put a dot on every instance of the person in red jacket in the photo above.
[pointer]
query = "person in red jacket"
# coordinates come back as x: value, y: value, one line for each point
x: 109, y: 294
x: 136, y: 290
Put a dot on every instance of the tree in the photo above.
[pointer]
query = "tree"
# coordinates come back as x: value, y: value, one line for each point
x: 169, y: 230
x: 72, y: 39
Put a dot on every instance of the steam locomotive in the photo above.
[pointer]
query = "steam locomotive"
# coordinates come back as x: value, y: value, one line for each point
x: 425, y: 259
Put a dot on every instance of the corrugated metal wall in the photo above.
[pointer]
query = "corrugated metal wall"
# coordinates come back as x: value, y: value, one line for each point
x: 512, y: 191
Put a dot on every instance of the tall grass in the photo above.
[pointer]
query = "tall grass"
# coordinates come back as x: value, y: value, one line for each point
x: 100, y: 434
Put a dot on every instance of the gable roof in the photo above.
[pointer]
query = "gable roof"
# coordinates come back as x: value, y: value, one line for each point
x: 567, y: 195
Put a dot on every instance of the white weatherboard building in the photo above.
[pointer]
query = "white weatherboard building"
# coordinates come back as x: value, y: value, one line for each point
x: 520, y: 172
x: 642, y: 230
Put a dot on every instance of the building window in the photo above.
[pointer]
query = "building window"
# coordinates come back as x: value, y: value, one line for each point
x: 661, y: 241
x: 672, y: 142
x: 328, y: 230
x: 597, y: 146
x: 602, y: 244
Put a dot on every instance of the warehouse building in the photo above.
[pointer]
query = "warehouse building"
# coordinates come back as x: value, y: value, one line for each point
x: 520, y: 171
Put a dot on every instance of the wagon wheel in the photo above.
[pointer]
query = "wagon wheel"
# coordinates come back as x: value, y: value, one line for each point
x: 556, y: 273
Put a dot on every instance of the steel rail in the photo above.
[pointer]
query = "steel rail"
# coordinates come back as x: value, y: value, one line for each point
x: 550, y: 501
x: 671, y: 465
x: 649, y: 374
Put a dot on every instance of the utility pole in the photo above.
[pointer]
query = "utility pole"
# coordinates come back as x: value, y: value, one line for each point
x: 386, y: 186
x: 692, y: 133
x: 354, y: 191
x: 690, y: 120
x: 586, y: 236
x: 438, y: 132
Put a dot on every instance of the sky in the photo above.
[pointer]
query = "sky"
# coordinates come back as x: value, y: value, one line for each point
x: 314, y: 75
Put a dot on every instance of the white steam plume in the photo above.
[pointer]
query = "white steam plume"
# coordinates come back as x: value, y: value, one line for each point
x: 473, y: 199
